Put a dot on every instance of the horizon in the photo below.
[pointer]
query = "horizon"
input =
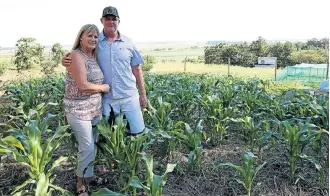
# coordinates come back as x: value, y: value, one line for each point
x: 190, y: 42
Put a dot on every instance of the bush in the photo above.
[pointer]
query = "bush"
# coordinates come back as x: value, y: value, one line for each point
x: 28, y: 53
x: 57, y: 53
x: 149, y: 62
x: 190, y: 60
x: 309, y: 56
x: 47, y: 66
x: 147, y: 67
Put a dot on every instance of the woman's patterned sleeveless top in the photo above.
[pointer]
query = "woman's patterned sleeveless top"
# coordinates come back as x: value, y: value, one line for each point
x: 84, y: 105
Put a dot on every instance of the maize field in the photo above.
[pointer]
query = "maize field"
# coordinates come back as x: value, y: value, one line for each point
x: 205, y: 135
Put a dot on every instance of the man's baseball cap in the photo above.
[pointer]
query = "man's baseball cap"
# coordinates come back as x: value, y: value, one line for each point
x: 110, y: 11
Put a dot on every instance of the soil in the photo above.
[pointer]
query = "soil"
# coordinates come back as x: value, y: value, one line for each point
x: 211, y: 180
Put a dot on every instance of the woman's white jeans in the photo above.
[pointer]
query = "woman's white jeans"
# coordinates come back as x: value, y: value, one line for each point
x: 86, y: 135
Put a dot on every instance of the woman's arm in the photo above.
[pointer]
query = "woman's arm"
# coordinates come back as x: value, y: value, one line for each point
x: 78, y: 71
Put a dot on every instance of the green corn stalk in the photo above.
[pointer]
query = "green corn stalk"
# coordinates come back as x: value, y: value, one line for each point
x: 115, y: 142
x: 252, y: 100
x: 27, y: 93
x: 192, y: 139
x: 218, y: 118
x: 155, y: 183
x: 107, y: 192
x: 121, y: 151
x: 37, y: 113
x: 316, y: 145
x: 160, y: 117
x: 318, y: 167
x: 163, y: 124
x: 252, y: 130
x: 172, y: 140
x: 247, y: 171
x: 295, y: 138
x: 28, y: 148
x: 320, y: 112
x: 267, y: 137
x: 132, y: 151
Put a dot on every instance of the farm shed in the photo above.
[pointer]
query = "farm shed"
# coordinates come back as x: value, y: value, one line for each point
x: 266, y: 60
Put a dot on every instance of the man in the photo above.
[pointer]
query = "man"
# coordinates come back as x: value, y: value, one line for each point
x: 120, y: 63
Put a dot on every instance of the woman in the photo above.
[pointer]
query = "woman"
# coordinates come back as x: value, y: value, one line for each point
x: 82, y: 99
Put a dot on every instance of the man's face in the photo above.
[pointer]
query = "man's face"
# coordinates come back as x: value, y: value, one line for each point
x: 110, y: 23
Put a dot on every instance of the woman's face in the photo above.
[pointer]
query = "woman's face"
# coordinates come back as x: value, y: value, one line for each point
x: 89, y: 40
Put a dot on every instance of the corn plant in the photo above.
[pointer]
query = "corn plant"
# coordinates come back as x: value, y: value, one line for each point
x: 107, y: 192
x: 115, y: 142
x: 295, y: 139
x: 268, y: 137
x: 37, y: 113
x: 252, y: 131
x: 320, y: 112
x: 154, y: 183
x: 192, y: 139
x: 218, y: 116
x: 163, y: 124
x: 28, y: 148
x: 317, y: 165
x: 316, y: 145
x: 44, y: 187
x: 247, y: 171
x: 160, y: 117
x: 133, y: 150
x: 252, y: 100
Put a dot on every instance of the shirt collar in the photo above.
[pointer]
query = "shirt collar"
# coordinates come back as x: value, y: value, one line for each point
x: 102, y: 36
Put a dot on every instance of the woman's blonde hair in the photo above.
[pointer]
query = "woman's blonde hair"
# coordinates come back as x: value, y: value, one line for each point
x: 86, y: 28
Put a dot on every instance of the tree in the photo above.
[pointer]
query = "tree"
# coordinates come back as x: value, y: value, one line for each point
x: 57, y: 53
x: 148, y: 64
x: 309, y: 56
x: 239, y: 54
x: 215, y: 54
x: 28, y: 53
x: 47, y: 66
x: 282, y: 51
x: 300, y: 45
x: 259, y: 47
x: 315, y: 43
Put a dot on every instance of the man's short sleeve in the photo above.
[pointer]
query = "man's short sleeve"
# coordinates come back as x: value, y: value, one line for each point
x: 136, y: 59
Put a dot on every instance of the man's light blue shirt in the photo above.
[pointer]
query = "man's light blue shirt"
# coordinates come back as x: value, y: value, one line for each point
x: 116, y: 61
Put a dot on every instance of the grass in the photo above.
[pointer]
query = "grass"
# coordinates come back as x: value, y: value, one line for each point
x: 11, y: 74
x: 176, y: 54
x: 219, y: 69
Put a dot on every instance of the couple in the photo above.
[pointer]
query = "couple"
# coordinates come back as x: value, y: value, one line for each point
x: 101, y: 62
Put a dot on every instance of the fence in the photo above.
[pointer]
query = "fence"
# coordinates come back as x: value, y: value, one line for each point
x: 305, y: 72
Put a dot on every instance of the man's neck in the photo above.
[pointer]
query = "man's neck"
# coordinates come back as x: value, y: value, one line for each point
x: 111, y: 35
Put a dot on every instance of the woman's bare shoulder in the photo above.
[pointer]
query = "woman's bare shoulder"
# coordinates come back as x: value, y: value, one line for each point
x: 77, y: 60
x: 76, y: 54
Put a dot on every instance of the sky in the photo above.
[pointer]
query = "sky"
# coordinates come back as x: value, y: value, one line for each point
x: 167, y: 20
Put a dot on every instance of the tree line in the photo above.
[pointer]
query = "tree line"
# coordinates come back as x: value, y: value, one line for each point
x: 30, y: 53
x: 289, y: 53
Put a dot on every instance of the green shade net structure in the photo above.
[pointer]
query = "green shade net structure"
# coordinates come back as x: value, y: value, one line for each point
x: 304, y: 72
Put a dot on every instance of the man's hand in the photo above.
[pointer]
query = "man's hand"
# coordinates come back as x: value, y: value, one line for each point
x: 143, y: 101
x: 105, y: 88
x: 66, y: 60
